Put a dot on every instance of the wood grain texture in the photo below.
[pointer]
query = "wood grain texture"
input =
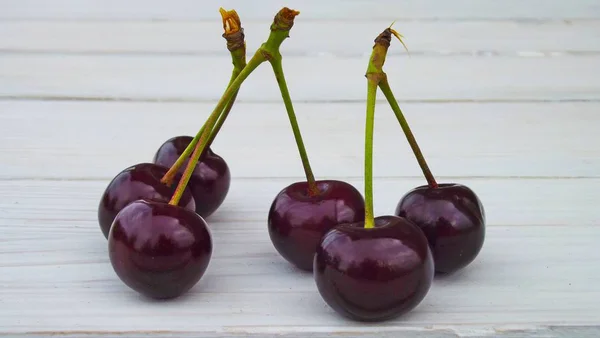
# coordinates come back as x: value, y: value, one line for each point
x: 338, y: 9
x: 55, y: 257
x: 503, y: 96
x: 533, y: 202
x: 319, y: 78
x: 338, y: 38
x: 99, y: 139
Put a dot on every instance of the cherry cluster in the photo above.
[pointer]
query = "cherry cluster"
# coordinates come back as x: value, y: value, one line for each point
x: 365, y: 267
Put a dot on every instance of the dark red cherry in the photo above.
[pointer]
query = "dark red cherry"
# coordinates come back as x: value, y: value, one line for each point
x: 159, y: 250
x: 297, y: 221
x: 453, y: 220
x: 374, y: 274
x: 141, y: 181
x: 210, y: 180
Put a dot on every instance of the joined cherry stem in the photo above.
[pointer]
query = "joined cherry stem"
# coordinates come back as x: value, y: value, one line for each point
x: 234, y: 34
x: 376, y: 77
x: 269, y: 51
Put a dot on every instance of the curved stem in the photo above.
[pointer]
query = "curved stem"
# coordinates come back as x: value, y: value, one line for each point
x: 313, y: 190
x: 369, y: 126
x: 385, y: 88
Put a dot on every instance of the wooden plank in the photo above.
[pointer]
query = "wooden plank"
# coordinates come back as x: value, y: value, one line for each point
x: 98, y: 139
x: 489, y: 38
x: 508, y: 202
x: 528, y: 278
x: 317, y: 78
x: 387, y: 10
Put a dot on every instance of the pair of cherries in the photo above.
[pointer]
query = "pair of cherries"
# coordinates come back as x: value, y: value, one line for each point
x: 155, y: 248
x: 379, y: 273
x: 376, y: 268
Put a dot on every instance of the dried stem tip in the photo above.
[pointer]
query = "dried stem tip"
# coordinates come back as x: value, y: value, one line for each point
x: 234, y: 33
x: 284, y: 19
x: 385, y: 38
x: 231, y: 21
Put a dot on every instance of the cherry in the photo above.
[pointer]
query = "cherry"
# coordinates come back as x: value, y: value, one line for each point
x: 159, y: 250
x: 373, y: 274
x: 451, y: 215
x: 210, y: 180
x: 297, y: 221
x: 141, y: 181
x: 452, y: 218
x: 382, y: 267
x: 303, y: 211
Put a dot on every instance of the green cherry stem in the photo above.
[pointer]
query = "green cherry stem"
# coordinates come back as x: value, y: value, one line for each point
x: 369, y: 126
x: 385, y: 88
x: 236, y: 44
x: 280, y: 28
x: 374, y: 75
x: 382, y: 43
x: 209, y: 125
x: 313, y: 190
x: 285, y: 19
x: 198, y: 149
x: 170, y: 174
x: 223, y: 116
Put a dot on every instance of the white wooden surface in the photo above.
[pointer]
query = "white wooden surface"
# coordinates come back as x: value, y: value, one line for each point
x: 502, y: 95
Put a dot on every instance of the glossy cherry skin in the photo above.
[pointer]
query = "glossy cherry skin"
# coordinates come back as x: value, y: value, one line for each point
x: 297, y: 221
x: 159, y: 250
x: 453, y: 220
x: 374, y: 274
x: 210, y: 180
x: 141, y: 181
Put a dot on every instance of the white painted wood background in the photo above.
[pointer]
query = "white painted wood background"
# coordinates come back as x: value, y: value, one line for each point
x: 504, y: 96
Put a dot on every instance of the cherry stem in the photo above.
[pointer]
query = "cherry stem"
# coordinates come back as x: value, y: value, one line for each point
x: 236, y: 44
x: 198, y: 149
x: 234, y: 35
x: 313, y: 190
x: 282, y: 23
x: 225, y: 113
x: 210, y: 123
x: 170, y: 174
x: 369, y: 126
x: 385, y: 88
x: 382, y: 43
